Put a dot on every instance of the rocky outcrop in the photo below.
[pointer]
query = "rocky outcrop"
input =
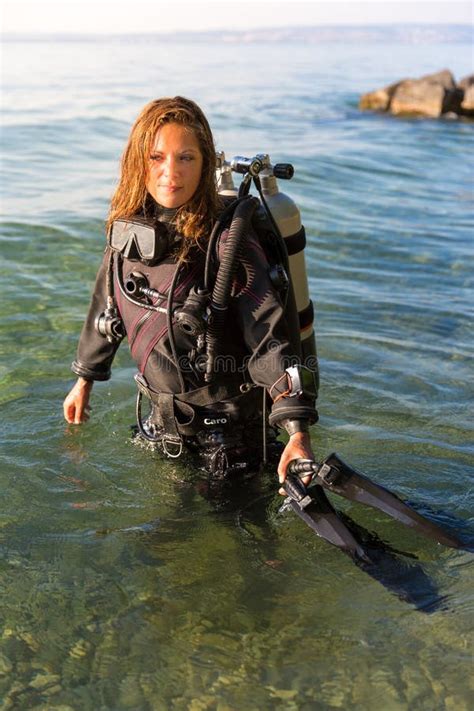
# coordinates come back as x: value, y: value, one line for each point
x: 432, y: 96
x: 467, y: 103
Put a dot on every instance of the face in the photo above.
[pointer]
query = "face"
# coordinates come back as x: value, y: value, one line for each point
x: 174, y: 165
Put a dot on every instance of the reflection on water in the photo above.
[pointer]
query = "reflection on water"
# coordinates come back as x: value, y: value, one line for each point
x: 133, y: 583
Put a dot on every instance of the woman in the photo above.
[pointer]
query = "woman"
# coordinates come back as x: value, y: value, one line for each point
x: 205, y: 402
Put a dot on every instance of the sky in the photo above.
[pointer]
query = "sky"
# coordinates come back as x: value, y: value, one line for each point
x: 131, y: 16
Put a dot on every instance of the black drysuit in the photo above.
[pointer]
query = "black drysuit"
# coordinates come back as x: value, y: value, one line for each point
x: 254, y: 346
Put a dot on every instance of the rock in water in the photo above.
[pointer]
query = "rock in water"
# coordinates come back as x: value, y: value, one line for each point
x: 378, y: 100
x: 418, y: 98
x: 431, y: 96
x: 467, y: 104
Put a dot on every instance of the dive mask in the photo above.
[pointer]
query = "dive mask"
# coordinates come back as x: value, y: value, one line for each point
x: 140, y: 239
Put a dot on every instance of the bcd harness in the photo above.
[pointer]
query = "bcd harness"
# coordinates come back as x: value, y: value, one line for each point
x: 152, y: 313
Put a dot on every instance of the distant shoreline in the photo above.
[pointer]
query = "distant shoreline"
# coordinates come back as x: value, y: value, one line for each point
x: 328, y: 34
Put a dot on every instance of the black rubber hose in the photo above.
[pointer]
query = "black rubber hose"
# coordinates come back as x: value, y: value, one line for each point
x: 169, y: 324
x: 228, y: 265
x: 110, y: 276
x: 216, y: 231
x: 225, y: 275
x: 138, y: 412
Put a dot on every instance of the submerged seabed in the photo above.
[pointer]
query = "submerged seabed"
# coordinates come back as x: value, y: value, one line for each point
x: 130, y: 583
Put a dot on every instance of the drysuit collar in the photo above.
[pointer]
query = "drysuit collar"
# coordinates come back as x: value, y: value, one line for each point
x: 151, y: 208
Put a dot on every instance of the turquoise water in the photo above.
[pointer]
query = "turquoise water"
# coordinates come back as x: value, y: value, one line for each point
x: 126, y: 582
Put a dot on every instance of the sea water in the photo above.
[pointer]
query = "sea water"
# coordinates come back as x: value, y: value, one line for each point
x: 133, y: 583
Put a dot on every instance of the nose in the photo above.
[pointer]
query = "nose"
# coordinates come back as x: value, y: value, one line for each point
x: 170, y: 167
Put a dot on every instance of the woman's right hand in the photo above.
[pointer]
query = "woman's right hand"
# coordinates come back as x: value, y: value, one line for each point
x: 76, y: 405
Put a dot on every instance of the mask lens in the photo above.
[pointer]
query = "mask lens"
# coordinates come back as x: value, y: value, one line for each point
x: 145, y: 240
x: 119, y: 235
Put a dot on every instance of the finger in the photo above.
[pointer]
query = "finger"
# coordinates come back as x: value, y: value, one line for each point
x: 68, y: 412
x: 282, y: 471
x: 78, y: 416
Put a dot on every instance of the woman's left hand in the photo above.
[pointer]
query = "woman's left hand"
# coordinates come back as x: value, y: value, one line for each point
x: 298, y: 447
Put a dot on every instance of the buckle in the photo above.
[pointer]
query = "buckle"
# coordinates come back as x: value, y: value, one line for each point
x: 296, y: 491
x: 328, y: 474
x: 286, y: 505
x: 174, y: 442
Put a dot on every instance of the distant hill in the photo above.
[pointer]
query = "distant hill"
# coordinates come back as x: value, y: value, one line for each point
x: 373, y: 34
x: 410, y: 34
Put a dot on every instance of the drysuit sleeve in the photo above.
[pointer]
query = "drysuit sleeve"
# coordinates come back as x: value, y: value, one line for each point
x: 266, y: 333
x: 94, y: 352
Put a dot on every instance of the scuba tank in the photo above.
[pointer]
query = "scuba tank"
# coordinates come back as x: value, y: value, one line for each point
x: 225, y: 182
x: 285, y: 219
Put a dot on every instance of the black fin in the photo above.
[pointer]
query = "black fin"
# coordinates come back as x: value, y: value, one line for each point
x: 336, y: 476
x: 397, y: 571
x: 323, y: 519
x: 407, y: 580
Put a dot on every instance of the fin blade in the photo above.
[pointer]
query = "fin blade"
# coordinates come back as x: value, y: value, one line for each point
x: 409, y: 582
x: 323, y: 519
x: 352, y: 485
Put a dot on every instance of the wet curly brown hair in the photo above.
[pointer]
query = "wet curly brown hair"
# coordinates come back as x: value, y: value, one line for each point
x: 194, y: 219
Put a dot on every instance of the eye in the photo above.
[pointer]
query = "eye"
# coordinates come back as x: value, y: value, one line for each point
x: 156, y: 157
x: 187, y: 158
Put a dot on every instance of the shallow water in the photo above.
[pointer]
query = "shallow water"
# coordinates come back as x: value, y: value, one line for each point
x: 127, y: 582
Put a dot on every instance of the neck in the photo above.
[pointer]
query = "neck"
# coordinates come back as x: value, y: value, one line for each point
x: 152, y: 208
x: 167, y: 214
